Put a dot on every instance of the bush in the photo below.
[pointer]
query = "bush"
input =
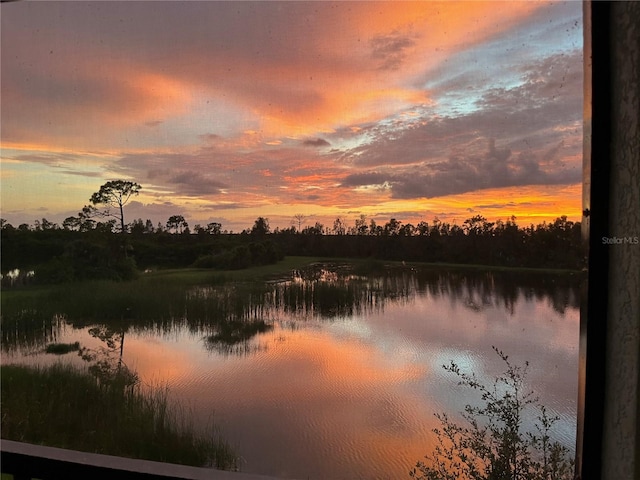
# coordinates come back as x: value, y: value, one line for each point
x: 126, y: 269
x: 493, y: 446
x: 54, y: 271
x: 241, y: 256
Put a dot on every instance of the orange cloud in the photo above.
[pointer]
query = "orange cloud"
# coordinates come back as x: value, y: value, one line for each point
x: 335, y: 76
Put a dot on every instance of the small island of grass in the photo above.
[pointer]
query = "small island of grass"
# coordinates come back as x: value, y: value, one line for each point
x: 62, y: 348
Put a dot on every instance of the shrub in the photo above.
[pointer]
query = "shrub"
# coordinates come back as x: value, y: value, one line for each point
x: 494, y: 446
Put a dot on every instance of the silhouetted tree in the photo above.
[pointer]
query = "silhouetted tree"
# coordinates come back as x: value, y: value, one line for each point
x: 45, y: 225
x: 214, y: 228
x: 317, y: 229
x: 260, y: 227
x: 177, y: 224
x: 338, y: 227
x: 361, y: 227
x: 298, y: 219
x: 392, y: 227
x: 375, y: 229
x: 115, y: 194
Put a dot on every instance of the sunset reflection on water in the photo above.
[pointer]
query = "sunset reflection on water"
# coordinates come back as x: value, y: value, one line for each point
x: 347, y: 381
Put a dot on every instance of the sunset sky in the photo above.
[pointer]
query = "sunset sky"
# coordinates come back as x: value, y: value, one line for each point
x: 226, y: 111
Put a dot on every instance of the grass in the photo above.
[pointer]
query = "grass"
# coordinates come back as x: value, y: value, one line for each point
x: 161, y: 294
x: 199, y: 276
x: 62, y: 348
x: 64, y: 407
x: 159, y: 299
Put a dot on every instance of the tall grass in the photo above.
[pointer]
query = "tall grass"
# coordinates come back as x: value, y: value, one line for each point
x: 64, y: 407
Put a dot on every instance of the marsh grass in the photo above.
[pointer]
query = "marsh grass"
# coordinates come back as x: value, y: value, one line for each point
x: 65, y: 407
x: 155, y: 294
x: 62, y: 348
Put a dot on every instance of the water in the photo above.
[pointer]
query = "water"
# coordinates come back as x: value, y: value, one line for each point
x: 343, y: 373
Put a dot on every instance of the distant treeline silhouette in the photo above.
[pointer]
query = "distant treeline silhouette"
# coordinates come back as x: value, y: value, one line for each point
x: 77, y: 250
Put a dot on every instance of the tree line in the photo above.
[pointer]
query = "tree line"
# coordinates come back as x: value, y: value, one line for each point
x: 99, y: 243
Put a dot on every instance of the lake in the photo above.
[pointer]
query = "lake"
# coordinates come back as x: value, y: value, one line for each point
x: 334, y: 374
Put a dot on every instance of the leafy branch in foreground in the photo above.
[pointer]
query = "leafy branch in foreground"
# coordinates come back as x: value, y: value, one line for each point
x: 494, y: 445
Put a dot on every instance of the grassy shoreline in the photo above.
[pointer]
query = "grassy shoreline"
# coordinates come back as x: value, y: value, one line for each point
x: 200, y: 276
x: 65, y: 407
x: 115, y: 300
x: 291, y: 263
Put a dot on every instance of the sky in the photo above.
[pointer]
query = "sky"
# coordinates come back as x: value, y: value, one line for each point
x: 228, y: 111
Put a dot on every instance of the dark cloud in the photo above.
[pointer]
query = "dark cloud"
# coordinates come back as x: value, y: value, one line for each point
x: 188, y: 182
x: 447, y: 154
x: 80, y: 173
x: 364, y: 179
x: 316, y: 142
x: 62, y: 162
x: 494, y: 205
x: 390, y: 50
x: 496, y: 168
x: 193, y: 183
x: 227, y: 206
x: 210, y: 137
x: 52, y: 159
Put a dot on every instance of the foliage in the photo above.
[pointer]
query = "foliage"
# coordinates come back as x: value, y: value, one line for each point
x: 177, y: 224
x: 115, y: 194
x: 494, y: 446
x: 557, y: 245
x: 241, y: 257
x: 85, y: 259
x: 260, y: 227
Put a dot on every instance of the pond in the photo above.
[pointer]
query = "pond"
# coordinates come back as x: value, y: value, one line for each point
x: 332, y: 374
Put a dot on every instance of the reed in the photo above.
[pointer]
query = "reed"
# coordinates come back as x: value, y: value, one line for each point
x: 65, y: 407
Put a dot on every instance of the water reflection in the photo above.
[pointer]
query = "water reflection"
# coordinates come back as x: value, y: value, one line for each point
x: 338, y: 292
x: 323, y: 291
x: 332, y: 373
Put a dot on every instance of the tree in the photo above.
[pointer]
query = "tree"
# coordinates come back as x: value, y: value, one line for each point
x: 298, y: 219
x: 139, y: 227
x: 44, y: 225
x: 422, y: 228
x: 115, y: 195
x: 477, y: 225
x: 260, y: 227
x: 71, y: 223
x: 361, y: 227
x: 494, y: 446
x: 374, y: 229
x: 392, y: 227
x: 214, y: 228
x: 317, y: 229
x: 177, y: 223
